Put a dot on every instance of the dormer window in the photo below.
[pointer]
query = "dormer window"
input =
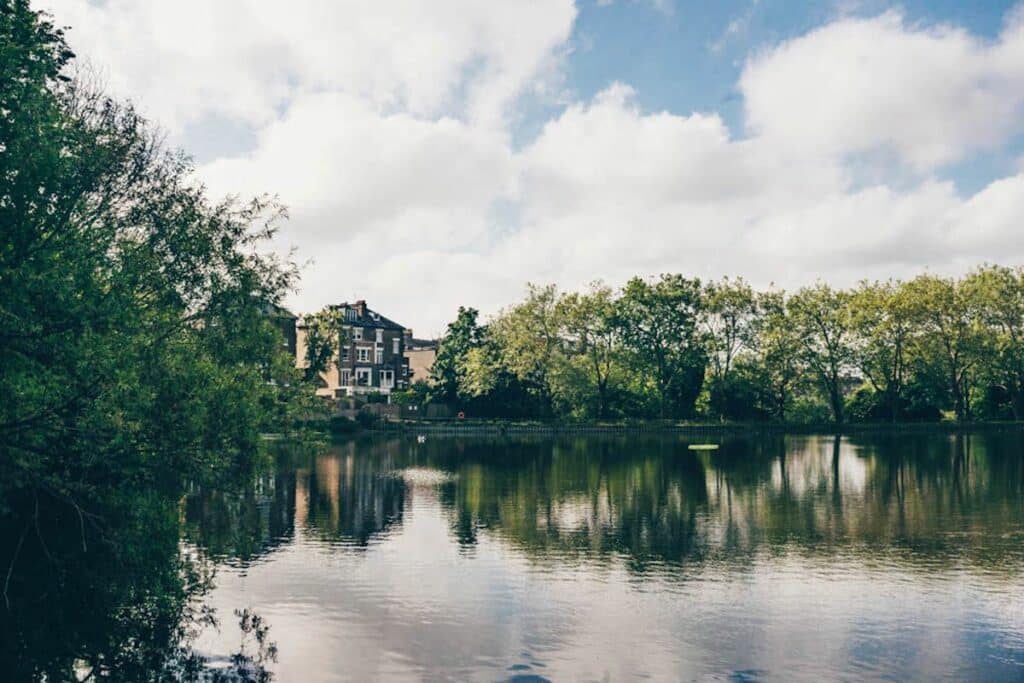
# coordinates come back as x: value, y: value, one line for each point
x: 380, y: 334
x: 357, y: 334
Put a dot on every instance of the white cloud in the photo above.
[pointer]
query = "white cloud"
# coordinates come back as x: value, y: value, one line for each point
x: 386, y: 129
x: 922, y: 95
x: 346, y: 169
x: 246, y: 59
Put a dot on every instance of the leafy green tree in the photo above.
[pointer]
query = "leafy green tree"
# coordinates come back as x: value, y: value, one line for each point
x: 731, y: 321
x: 526, y: 336
x: 949, y: 334
x: 137, y: 349
x: 821, y: 317
x: 592, y: 340
x: 779, y: 354
x: 658, y: 321
x: 462, y: 336
x: 324, y: 335
x: 997, y: 293
x: 881, y: 318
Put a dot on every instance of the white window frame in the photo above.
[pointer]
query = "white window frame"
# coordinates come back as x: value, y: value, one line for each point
x: 394, y: 346
x: 387, y: 379
x: 362, y: 354
x: 378, y: 355
x: 357, y: 333
x: 345, y: 352
x: 380, y: 334
x: 346, y: 377
x: 364, y: 372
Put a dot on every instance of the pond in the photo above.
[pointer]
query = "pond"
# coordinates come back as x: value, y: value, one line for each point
x: 770, y: 558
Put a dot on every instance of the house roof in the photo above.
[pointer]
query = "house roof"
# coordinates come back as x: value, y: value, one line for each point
x: 367, y: 317
x: 414, y: 344
x: 275, y: 311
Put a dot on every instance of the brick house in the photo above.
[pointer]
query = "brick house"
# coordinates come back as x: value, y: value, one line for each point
x: 371, y: 354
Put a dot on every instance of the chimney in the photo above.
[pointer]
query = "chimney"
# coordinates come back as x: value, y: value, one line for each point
x: 360, y: 307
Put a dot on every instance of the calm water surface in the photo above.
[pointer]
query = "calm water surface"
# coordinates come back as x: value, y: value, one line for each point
x: 803, y: 558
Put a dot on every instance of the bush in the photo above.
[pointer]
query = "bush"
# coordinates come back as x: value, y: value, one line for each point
x: 339, y: 424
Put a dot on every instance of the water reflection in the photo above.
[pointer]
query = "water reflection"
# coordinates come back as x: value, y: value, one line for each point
x: 483, y: 559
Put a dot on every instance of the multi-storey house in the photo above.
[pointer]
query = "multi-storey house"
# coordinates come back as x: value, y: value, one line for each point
x: 370, y: 356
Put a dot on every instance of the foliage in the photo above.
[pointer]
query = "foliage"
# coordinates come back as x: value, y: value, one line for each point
x: 658, y: 321
x: 950, y: 336
x: 882, y: 351
x: 463, y: 335
x: 592, y: 344
x: 528, y: 346
x: 140, y: 352
x: 417, y: 394
x: 323, y: 331
x: 821, y: 317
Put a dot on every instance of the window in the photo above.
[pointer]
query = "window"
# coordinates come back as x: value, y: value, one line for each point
x: 344, y: 353
x: 380, y: 335
x: 357, y: 333
x: 378, y: 355
x: 363, y: 354
x: 387, y: 378
x: 394, y: 346
x: 363, y: 377
x: 346, y: 377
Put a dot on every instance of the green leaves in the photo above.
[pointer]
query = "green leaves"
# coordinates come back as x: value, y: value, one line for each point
x: 133, y: 326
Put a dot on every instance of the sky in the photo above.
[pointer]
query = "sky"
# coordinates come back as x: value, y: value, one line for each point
x: 445, y: 153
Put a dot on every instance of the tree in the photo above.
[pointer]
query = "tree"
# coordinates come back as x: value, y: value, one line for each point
x: 527, y: 338
x: 462, y: 336
x: 731, y: 320
x: 998, y: 294
x: 882, y: 329
x: 137, y: 350
x: 323, y: 340
x: 950, y: 335
x: 592, y: 338
x: 658, y: 322
x: 779, y: 353
x: 821, y: 317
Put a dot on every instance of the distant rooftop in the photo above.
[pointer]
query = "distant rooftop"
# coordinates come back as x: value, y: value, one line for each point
x: 360, y: 315
x: 414, y: 344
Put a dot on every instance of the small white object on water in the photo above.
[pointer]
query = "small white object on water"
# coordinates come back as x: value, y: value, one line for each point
x: 422, y: 438
x: 703, y: 446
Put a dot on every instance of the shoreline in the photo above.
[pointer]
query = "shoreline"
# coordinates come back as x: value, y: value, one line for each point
x: 511, y: 428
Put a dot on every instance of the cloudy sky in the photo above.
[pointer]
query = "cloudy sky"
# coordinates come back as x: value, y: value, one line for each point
x: 446, y: 152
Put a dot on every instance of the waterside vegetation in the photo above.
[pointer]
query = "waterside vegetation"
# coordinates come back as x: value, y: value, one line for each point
x: 139, y: 355
x: 673, y: 348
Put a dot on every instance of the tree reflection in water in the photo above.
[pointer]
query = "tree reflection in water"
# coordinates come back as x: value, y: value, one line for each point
x: 102, y: 589
x: 649, y: 500
x: 122, y: 592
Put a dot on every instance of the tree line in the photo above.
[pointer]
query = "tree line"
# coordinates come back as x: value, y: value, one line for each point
x: 673, y: 347
x: 139, y: 354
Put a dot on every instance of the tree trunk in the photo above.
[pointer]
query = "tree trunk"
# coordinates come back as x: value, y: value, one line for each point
x: 836, y: 397
x: 1017, y: 397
